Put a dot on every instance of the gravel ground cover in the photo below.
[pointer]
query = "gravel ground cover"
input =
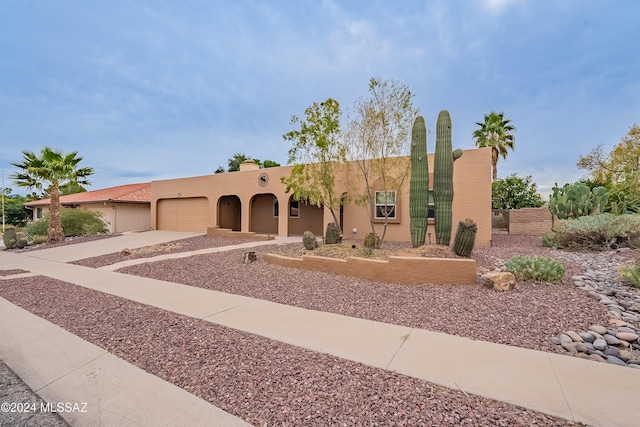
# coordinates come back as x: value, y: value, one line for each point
x: 67, y: 241
x: 525, y: 317
x: 182, y: 245
x: 263, y: 381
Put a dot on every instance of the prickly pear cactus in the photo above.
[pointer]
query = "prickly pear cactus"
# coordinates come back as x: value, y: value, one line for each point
x: 419, y: 183
x: 443, y: 178
x: 465, y: 237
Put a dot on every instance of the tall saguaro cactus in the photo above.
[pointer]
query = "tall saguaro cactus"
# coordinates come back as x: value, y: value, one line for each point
x: 443, y: 178
x: 419, y: 183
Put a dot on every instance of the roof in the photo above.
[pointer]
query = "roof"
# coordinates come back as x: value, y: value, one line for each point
x: 130, y: 193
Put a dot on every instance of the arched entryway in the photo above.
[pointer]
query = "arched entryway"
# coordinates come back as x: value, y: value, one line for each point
x: 264, y: 214
x: 229, y: 212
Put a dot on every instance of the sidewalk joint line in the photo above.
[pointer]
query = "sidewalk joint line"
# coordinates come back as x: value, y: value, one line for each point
x: 564, y: 396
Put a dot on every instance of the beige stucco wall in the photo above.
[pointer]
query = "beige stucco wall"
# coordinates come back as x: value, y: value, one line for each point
x: 119, y: 217
x: 471, y: 182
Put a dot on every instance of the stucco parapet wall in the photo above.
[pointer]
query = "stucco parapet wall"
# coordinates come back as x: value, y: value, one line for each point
x: 230, y: 234
x: 398, y: 269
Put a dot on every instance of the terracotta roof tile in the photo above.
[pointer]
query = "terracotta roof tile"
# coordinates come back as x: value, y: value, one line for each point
x: 133, y: 193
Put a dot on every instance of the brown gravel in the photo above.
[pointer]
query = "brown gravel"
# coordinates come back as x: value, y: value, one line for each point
x: 525, y: 317
x: 176, y: 246
x: 260, y: 380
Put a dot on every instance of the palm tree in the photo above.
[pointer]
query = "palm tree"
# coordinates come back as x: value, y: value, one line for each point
x: 495, y: 132
x: 53, y: 169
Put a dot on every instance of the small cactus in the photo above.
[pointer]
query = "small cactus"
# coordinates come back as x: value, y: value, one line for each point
x: 332, y: 235
x: 465, y: 237
x: 21, y: 240
x: 309, y: 240
x: 371, y: 241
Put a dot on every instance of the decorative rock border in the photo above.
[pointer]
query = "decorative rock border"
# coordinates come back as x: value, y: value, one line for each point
x: 619, y: 343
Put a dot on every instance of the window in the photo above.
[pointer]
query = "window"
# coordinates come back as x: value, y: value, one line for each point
x: 294, y: 209
x: 276, y: 208
x: 385, y: 204
x: 38, y: 213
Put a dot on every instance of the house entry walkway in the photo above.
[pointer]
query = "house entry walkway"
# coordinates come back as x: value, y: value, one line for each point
x: 62, y: 367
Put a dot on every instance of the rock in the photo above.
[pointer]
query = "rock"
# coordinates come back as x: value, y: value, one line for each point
x: 627, y: 336
x: 626, y: 355
x: 500, y: 281
x: 574, y: 336
x: 596, y: 335
x: 125, y: 252
x: 597, y: 358
x: 600, y: 344
x: 626, y: 329
x: 249, y: 257
x: 611, y: 351
x: 611, y: 340
x: 587, y: 337
x: 555, y: 340
x: 617, y: 322
x: 565, y: 338
x: 582, y: 356
x: 599, y: 329
x: 574, y: 347
x: 615, y: 361
x: 635, y: 307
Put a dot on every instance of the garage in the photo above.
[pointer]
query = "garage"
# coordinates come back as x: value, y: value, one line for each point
x: 183, y: 214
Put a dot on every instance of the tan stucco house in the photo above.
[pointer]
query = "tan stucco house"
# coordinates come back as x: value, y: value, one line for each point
x: 254, y: 200
x: 123, y: 208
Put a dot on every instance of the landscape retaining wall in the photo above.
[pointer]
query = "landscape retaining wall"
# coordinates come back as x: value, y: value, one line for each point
x: 408, y: 270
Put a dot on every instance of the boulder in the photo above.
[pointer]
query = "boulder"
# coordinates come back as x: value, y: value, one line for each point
x: 499, y: 280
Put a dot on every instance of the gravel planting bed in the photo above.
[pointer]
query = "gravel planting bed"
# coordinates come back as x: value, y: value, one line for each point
x: 67, y: 241
x: 262, y: 381
x: 182, y: 245
x: 525, y: 317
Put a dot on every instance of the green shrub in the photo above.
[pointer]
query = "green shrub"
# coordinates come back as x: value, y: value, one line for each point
x: 631, y: 274
x: 596, y: 233
x: 536, y: 268
x: 75, y: 222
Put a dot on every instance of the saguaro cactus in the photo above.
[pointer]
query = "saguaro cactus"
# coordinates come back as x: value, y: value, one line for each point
x: 419, y: 183
x: 443, y: 178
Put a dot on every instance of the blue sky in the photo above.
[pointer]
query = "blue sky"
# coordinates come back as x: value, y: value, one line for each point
x: 148, y: 90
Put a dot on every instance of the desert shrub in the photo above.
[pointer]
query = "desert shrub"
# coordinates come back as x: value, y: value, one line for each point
x: 75, y: 222
x: 631, y: 274
x: 309, y: 240
x: 38, y: 239
x: 536, y: 268
x: 596, y: 233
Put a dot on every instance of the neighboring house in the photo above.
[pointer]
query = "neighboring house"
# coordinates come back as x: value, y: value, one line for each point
x: 123, y: 208
x: 254, y: 200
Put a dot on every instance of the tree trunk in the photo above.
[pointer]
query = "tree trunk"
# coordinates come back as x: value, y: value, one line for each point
x: 55, y: 233
x: 494, y: 161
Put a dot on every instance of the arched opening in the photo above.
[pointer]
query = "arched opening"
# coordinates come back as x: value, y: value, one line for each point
x: 264, y: 214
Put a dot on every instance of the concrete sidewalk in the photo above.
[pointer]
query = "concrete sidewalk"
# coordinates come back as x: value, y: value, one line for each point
x: 562, y: 386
